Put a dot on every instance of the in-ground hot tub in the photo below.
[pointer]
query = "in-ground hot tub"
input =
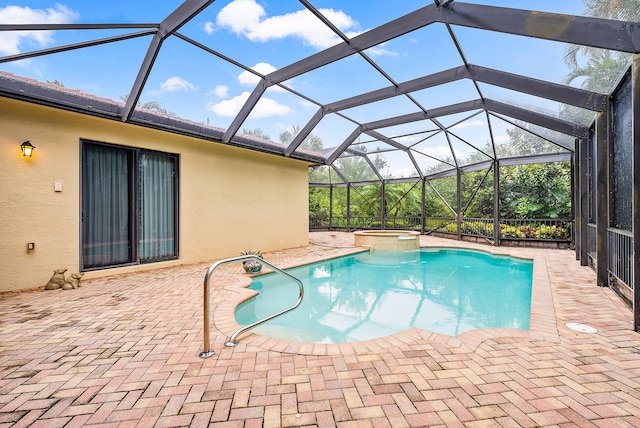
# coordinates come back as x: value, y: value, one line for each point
x: 387, y: 240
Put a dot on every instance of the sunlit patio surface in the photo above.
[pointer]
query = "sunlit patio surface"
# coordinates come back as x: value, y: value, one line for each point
x: 123, y: 351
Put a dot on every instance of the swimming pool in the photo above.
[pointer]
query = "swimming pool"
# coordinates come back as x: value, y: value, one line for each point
x: 370, y: 295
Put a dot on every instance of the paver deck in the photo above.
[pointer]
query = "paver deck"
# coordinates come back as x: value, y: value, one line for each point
x: 123, y: 351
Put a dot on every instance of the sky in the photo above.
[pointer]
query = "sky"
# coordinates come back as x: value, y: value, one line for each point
x: 266, y: 36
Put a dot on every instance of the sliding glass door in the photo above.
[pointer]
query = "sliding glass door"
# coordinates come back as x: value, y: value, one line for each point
x: 157, y: 207
x: 129, y: 206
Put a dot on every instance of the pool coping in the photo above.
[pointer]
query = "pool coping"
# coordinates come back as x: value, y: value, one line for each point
x: 543, y: 324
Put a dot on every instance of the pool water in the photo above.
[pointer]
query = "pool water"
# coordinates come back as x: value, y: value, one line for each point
x: 370, y: 295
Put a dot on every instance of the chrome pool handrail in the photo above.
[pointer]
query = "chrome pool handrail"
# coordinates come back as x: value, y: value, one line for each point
x: 207, y: 352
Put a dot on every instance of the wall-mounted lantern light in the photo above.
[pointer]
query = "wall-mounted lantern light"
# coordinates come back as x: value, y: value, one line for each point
x: 27, y: 149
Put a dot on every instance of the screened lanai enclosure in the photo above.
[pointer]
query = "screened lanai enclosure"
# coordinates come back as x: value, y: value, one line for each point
x: 465, y: 119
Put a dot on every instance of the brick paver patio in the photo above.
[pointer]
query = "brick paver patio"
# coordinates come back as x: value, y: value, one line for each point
x: 123, y: 351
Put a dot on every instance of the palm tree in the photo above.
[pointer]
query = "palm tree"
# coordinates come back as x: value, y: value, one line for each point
x: 312, y: 142
x: 56, y: 82
x: 603, y: 66
x: 256, y: 132
x: 150, y: 105
x: 601, y: 71
x: 623, y: 10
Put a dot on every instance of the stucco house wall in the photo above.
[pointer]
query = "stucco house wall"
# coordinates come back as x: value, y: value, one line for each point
x: 230, y: 199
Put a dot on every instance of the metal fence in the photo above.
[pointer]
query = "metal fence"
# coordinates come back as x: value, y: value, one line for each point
x: 621, y: 255
x: 481, y: 227
x: 592, y: 242
x: 440, y: 224
x: 318, y: 223
x: 338, y: 222
x: 404, y: 223
x: 556, y: 230
x: 346, y: 223
x: 365, y: 222
x: 536, y: 229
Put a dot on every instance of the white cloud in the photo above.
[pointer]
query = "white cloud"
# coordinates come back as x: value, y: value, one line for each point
x: 232, y: 106
x: 306, y: 104
x: 228, y: 108
x: 174, y: 84
x: 266, y: 107
x: 469, y: 124
x: 177, y: 84
x: 402, y: 172
x: 378, y: 51
x: 221, y: 91
x: 12, y: 41
x: 248, y: 18
x: 248, y: 78
x: 209, y: 28
x: 241, y: 15
x: 439, y: 152
x: 408, y: 140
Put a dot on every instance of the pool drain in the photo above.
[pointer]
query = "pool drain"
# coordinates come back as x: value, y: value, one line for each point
x: 581, y: 327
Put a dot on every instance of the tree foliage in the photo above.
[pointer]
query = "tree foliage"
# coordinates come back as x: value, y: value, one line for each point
x: 56, y: 82
x: 600, y: 68
x: 527, y: 192
x: 355, y: 167
x: 150, y: 105
x: 256, y: 132
x: 311, y: 142
x: 536, y: 191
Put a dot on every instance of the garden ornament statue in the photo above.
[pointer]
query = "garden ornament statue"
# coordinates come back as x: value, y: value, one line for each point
x: 73, y: 281
x: 56, y: 281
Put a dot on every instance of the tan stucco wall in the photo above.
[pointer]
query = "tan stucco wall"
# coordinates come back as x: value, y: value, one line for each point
x: 230, y: 199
